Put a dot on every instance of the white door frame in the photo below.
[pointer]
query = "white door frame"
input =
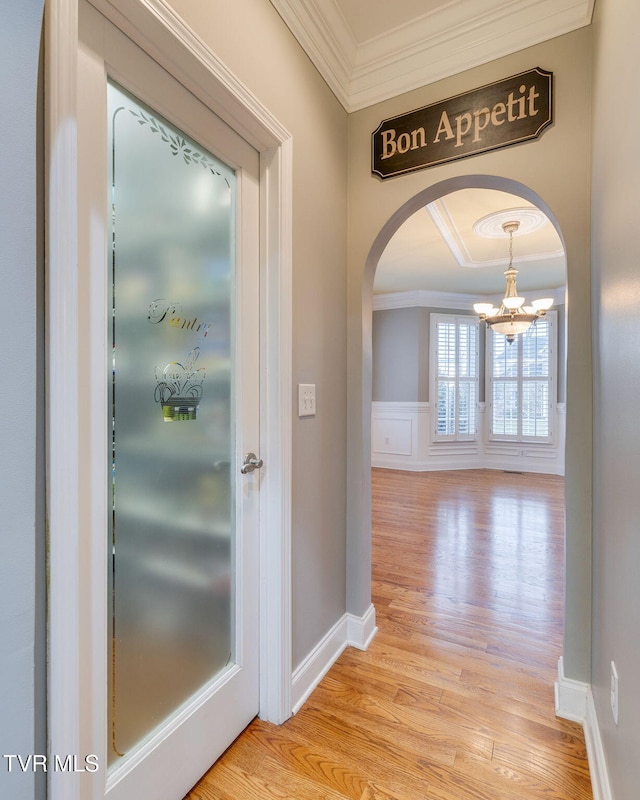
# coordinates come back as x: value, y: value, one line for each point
x: 158, y: 30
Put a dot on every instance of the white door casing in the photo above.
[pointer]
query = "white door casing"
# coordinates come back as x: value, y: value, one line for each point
x: 76, y: 402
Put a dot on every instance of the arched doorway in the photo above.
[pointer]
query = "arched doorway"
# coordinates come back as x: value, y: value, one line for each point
x: 577, y: 608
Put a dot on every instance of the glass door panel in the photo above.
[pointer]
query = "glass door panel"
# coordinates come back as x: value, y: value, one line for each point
x: 171, y: 412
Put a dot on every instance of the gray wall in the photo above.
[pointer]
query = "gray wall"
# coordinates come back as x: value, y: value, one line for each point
x: 22, y: 728
x: 616, y: 299
x: 254, y: 42
x: 400, y: 353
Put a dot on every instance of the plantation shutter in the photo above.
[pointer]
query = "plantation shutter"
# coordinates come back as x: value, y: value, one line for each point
x: 521, y: 379
x: 456, y: 378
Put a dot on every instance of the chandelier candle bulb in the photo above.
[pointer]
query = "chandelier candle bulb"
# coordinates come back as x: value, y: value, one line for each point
x: 513, y: 302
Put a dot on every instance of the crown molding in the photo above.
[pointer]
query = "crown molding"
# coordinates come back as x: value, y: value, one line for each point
x: 324, y: 35
x: 434, y: 46
x: 423, y: 298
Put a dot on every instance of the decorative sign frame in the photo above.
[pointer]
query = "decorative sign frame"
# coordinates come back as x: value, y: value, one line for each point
x: 499, y: 114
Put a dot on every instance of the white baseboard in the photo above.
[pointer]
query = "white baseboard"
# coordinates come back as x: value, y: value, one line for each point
x: 574, y: 701
x: 389, y: 462
x: 537, y: 466
x: 600, y: 784
x: 570, y: 696
x: 349, y: 630
x: 361, y: 630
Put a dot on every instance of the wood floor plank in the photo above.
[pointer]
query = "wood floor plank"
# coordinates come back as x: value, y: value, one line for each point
x: 392, y: 720
x: 310, y: 759
x: 453, y: 700
x: 368, y: 753
x: 501, y: 725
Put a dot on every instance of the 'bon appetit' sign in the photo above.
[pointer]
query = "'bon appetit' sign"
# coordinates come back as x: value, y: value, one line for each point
x: 506, y: 112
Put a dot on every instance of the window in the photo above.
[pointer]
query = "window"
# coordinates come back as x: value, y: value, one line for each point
x: 455, y: 376
x: 521, y: 380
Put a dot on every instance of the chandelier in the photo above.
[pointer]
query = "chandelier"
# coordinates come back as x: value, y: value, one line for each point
x: 513, y: 317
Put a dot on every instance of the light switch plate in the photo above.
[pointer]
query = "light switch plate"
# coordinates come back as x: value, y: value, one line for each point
x: 306, y: 399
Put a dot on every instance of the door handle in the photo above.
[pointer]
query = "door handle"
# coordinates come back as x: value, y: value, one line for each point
x: 251, y: 462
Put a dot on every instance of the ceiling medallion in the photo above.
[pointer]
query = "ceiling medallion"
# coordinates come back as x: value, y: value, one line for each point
x: 491, y: 226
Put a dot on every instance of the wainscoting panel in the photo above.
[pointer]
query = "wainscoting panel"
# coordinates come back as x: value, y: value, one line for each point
x: 394, y: 437
x: 401, y: 438
x: 399, y: 435
x: 526, y: 456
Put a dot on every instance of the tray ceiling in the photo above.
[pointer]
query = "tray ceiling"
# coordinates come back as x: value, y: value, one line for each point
x: 442, y: 249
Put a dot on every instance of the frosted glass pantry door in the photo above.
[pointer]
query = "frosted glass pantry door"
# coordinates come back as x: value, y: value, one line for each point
x: 173, y: 520
x: 182, y: 411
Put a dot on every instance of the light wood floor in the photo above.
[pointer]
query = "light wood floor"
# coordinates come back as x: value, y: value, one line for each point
x: 454, y: 698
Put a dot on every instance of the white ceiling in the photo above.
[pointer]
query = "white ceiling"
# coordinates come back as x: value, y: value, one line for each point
x: 371, y: 50
x: 368, y: 20
x: 437, y: 249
